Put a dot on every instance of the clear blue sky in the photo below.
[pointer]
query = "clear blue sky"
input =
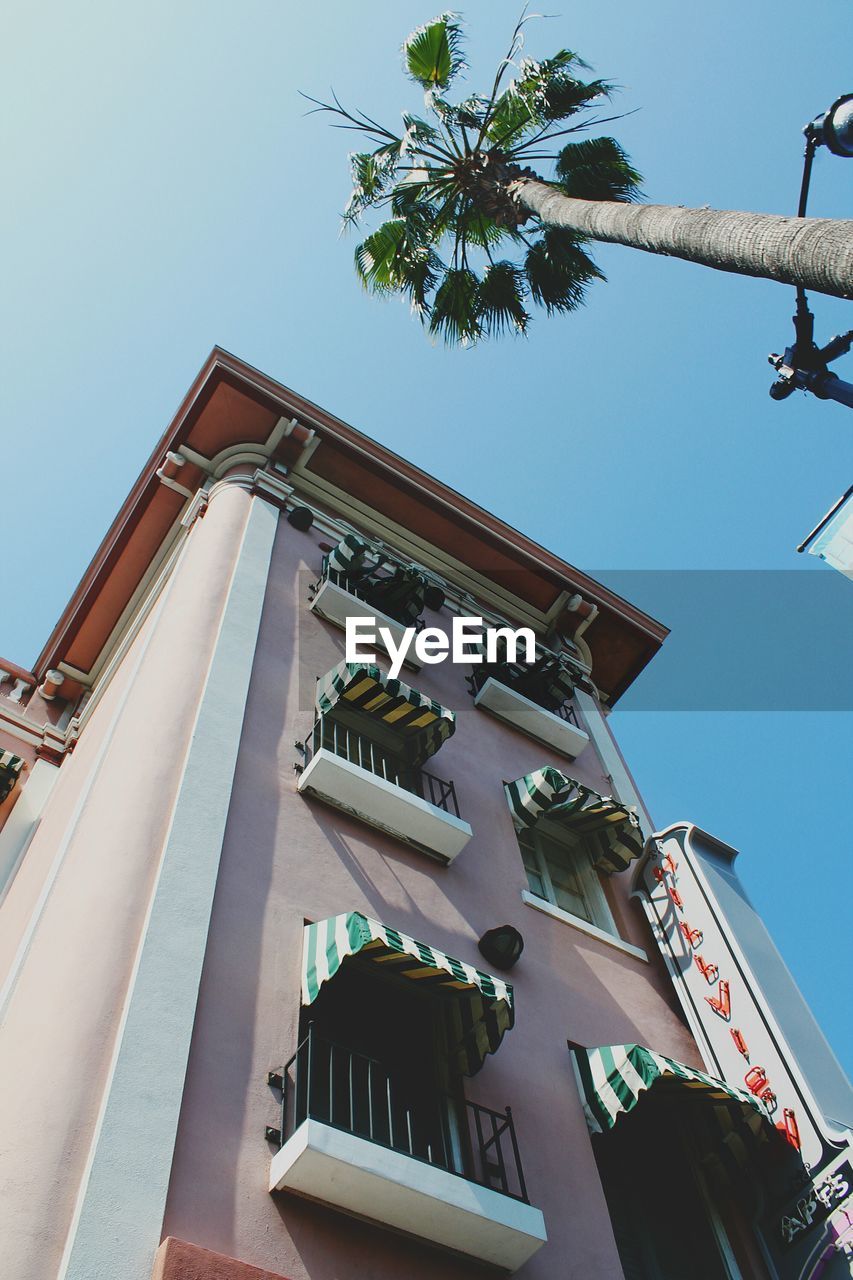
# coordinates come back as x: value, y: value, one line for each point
x: 163, y: 191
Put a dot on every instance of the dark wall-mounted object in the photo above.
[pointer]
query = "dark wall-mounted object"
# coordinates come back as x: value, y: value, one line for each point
x: 434, y: 597
x: 501, y: 946
x: 301, y: 518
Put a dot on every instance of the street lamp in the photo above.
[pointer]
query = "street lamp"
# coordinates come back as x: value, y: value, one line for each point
x: 804, y: 365
x: 834, y: 129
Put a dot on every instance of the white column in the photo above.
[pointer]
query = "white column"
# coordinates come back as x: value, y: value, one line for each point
x: 116, y: 1228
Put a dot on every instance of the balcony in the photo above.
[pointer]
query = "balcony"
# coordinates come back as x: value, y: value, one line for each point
x: 360, y: 580
x: 443, y: 1169
x: 352, y: 772
x: 11, y: 767
x: 336, y: 600
x: 556, y: 725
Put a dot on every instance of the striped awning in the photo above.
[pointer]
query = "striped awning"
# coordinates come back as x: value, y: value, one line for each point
x: 612, y: 1078
x: 422, y: 724
x: 349, y: 555
x: 611, y: 830
x: 478, y: 1007
x: 392, y: 587
x: 10, y: 770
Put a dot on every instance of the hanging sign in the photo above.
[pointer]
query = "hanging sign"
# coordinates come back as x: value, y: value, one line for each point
x: 807, y: 1220
x: 714, y: 980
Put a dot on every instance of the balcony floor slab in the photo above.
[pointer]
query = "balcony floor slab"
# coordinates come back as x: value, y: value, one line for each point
x: 384, y: 805
x: 336, y: 605
x: 409, y: 1195
x: 513, y: 708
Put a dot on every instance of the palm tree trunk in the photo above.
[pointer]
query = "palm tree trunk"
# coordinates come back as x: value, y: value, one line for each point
x: 816, y: 253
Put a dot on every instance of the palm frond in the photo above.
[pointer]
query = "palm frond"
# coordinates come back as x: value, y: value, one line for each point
x: 597, y: 169
x: 373, y: 173
x: 558, y: 271
x: 433, y: 52
x: 410, y: 196
x: 542, y: 93
x: 510, y: 117
x: 500, y: 305
x: 422, y: 272
x: 398, y: 258
x: 455, y: 306
x: 479, y: 229
x: 376, y: 258
x: 565, y: 96
x: 418, y: 133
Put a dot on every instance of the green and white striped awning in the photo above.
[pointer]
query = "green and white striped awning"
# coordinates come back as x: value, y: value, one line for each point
x: 611, y: 830
x: 10, y: 770
x: 612, y: 1078
x: 349, y: 555
x: 478, y: 1007
x: 391, y: 586
x: 422, y: 724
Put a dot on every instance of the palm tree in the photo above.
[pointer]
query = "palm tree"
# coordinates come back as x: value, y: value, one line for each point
x: 463, y: 182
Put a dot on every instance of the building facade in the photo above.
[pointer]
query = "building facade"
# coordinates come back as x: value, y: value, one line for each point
x: 309, y: 971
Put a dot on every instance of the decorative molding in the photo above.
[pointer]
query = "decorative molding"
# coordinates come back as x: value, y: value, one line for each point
x: 173, y: 484
x: 85, y: 678
x: 195, y: 510
x: 29, y: 731
x: 12, y: 671
x: 273, y: 487
x: 249, y: 451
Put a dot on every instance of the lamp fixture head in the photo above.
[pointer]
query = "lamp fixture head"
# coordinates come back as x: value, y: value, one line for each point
x: 834, y: 128
x: 501, y: 946
x: 300, y: 518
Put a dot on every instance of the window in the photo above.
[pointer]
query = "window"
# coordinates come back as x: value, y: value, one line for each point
x: 706, y: 1230
x: 560, y: 870
x: 380, y: 1065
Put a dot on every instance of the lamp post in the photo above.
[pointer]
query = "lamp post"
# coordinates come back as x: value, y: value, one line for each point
x: 804, y: 365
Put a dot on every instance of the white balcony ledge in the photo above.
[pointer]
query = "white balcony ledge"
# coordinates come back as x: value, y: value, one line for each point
x: 336, y: 605
x: 531, y: 719
x: 384, y: 805
x: 362, y: 1178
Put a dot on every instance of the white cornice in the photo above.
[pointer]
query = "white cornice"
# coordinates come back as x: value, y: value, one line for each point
x: 415, y: 548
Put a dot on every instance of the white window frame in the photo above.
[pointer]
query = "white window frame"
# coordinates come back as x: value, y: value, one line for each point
x: 579, y: 859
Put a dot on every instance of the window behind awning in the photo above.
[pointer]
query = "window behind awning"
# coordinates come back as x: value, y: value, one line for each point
x: 478, y: 1007
x: 610, y: 830
x: 419, y: 724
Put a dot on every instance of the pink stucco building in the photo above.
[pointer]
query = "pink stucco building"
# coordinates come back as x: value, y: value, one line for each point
x: 265, y: 1006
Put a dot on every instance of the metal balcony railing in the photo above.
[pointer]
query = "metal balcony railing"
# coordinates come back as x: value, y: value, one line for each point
x: 333, y: 1084
x: 378, y: 590
x: 330, y: 734
x: 518, y: 679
